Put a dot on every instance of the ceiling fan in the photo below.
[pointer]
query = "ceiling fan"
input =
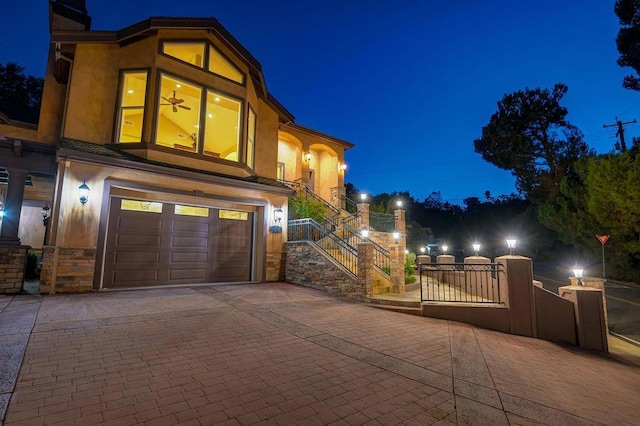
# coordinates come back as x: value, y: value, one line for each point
x: 175, y: 103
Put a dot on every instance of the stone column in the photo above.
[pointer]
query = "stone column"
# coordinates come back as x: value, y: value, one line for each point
x: 396, y: 254
x: 516, y: 291
x: 444, y: 276
x: 365, y: 268
x: 597, y: 283
x: 589, y: 315
x: 401, y: 227
x: 363, y: 209
x: 13, y: 207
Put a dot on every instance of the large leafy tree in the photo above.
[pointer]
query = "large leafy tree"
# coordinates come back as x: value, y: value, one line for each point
x: 531, y: 136
x: 20, y: 95
x: 628, y: 40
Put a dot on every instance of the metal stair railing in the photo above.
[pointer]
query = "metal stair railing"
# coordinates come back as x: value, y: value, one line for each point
x: 331, y: 213
x: 350, y: 205
x: 381, y: 256
x: 331, y: 244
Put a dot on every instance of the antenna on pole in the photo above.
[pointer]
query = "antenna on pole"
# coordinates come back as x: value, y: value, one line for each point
x: 620, y: 133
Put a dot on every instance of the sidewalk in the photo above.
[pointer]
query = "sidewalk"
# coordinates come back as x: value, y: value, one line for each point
x: 283, y: 354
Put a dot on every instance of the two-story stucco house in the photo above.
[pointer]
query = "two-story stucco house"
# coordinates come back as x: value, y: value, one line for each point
x: 161, y: 157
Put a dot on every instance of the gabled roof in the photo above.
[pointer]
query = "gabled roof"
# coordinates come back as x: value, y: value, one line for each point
x: 150, y: 27
x: 310, y: 131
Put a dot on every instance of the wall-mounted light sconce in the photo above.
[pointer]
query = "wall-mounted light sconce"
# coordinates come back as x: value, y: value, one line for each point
x: 396, y: 236
x: 363, y: 197
x: 83, y: 192
x: 46, y: 213
x: 342, y: 167
x: 1, y: 210
x: 276, y: 228
x: 307, y: 156
x: 511, y: 244
x: 476, y: 247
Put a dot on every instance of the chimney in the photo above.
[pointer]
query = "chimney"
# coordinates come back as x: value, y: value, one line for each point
x: 68, y: 15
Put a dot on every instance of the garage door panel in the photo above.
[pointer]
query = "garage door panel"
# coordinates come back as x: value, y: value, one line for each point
x: 137, y: 240
x: 125, y: 256
x: 189, y: 257
x: 179, y: 242
x: 128, y: 277
x: 195, y: 227
x: 188, y: 274
x: 140, y: 222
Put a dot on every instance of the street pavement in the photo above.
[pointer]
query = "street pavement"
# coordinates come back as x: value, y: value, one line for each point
x: 280, y: 354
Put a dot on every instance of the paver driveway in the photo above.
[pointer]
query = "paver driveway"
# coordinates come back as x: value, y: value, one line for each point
x: 283, y: 354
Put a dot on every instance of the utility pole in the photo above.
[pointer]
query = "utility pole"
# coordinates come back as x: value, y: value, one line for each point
x: 620, y: 133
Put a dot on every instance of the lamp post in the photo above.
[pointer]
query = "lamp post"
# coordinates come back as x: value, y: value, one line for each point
x: 476, y: 247
x: 511, y: 244
x: 577, y: 272
x: 46, y: 214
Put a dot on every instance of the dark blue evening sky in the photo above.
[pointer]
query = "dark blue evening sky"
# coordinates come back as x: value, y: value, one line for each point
x: 410, y: 83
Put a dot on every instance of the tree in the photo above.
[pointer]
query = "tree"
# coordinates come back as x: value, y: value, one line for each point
x: 628, y: 40
x: 530, y: 136
x: 20, y: 95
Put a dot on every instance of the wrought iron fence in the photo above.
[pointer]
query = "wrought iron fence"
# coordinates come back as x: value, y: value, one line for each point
x: 382, y: 222
x: 460, y: 282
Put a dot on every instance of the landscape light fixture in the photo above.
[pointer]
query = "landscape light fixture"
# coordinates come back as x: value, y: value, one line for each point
x: 577, y: 272
x: 363, y: 197
x: 511, y: 244
x: 476, y: 247
x: 365, y: 233
x: 84, y: 193
x: 399, y: 203
x: 444, y: 249
x: 422, y: 250
x: 396, y: 236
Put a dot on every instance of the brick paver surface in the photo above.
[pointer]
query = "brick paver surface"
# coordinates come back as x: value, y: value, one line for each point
x: 283, y: 354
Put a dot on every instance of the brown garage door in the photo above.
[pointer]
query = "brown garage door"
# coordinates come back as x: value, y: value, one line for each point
x: 153, y: 243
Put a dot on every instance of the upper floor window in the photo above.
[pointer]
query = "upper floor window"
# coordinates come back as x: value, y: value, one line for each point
x: 183, y: 120
x: 133, y: 87
x: 251, y: 137
x: 201, y: 56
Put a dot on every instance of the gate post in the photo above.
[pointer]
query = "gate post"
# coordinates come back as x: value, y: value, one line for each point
x: 516, y: 290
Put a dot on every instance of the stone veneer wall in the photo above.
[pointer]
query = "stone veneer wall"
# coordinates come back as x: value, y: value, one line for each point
x: 275, y: 266
x: 74, y: 272
x: 13, y: 263
x: 308, y: 266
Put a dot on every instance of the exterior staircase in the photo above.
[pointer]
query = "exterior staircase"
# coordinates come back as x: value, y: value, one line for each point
x: 338, y: 235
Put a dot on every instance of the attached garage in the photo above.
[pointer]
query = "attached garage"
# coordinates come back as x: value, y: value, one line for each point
x: 151, y: 243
